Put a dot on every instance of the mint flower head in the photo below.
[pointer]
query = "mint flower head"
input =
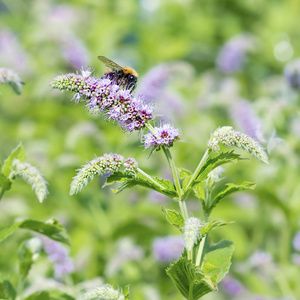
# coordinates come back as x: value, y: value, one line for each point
x: 108, y: 163
x: 32, y: 176
x: 103, y: 96
x: 105, y: 292
x: 191, y: 232
x: 165, y: 135
x: 229, y: 137
x: 12, y: 79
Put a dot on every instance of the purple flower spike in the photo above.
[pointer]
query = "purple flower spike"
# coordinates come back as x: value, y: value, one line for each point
x: 59, y: 255
x: 296, y: 241
x: 232, y: 56
x: 292, y: 73
x: 103, y: 96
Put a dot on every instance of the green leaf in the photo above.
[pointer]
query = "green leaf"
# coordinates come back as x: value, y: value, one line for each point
x: 52, y: 229
x: 183, y: 173
x: 194, y: 282
x: 174, y: 218
x: 207, y: 227
x: 219, y: 256
x: 199, y: 191
x: 212, y: 163
x: 127, y: 292
x: 189, y: 279
x: 28, y: 253
x: 17, y: 153
x: 25, y: 261
x: 49, y: 295
x: 163, y: 186
x: 7, y: 291
x: 5, y: 183
x: 230, y: 188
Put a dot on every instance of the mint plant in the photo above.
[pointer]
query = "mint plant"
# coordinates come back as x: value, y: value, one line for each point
x: 203, y: 264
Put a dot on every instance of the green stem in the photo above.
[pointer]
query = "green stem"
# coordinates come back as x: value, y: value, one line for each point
x: 150, y: 178
x: 199, y: 167
x: 174, y: 171
x: 182, y: 203
x: 200, y: 251
x: 183, y: 209
x: 2, y: 193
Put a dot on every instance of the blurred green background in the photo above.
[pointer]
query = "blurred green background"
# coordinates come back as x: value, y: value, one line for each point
x: 42, y: 39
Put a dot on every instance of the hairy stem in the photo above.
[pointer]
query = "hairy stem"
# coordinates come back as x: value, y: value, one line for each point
x: 199, y: 167
x: 200, y: 251
x: 150, y: 178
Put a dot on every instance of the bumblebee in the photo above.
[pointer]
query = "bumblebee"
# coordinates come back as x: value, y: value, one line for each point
x: 123, y: 76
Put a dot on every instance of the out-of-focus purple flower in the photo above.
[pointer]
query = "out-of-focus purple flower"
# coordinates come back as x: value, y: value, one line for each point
x: 168, y: 248
x: 12, y: 54
x: 155, y: 80
x: 232, y: 286
x: 232, y: 56
x: 296, y: 241
x: 59, y: 255
x: 292, y: 73
x: 63, y: 267
x: 246, y: 119
x: 165, y: 135
x: 296, y: 259
x: 127, y: 251
x: 104, y: 96
x: 62, y: 16
x: 156, y: 197
x: 260, y: 257
x: 75, y: 52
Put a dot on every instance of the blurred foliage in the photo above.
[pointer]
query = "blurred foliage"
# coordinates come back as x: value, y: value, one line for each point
x: 41, y: 39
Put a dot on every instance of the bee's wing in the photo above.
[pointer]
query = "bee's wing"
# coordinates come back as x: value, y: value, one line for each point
x: 109, y: 63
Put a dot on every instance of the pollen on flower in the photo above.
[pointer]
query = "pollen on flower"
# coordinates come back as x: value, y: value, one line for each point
x: 32, y: 176
x: 229, y: 137
x: 165, y: 135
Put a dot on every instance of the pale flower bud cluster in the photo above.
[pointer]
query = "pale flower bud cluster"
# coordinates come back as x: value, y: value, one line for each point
x: 232, y: 138
x: 106, y: 164
x: 191, y: 232
x: 12, y: 79
x: 105, y: 292
x: 32, y: 176
x: 214, y: 176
